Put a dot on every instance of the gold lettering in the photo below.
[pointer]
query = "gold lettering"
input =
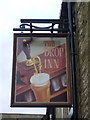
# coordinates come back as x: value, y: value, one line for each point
x: 55, y: 52
x: 49, y: 43
x: 61, y: 51
x: 45, y: 63
x: 51, y: 52
x: 55, y: 63
x: 46, y: 52
x: 51, y: 63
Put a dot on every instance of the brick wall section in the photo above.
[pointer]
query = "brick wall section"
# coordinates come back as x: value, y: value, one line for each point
x: 83, y: 58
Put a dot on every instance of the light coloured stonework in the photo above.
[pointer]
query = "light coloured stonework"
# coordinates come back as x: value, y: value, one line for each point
x: 82, y: 59
x: 0, y: 116
x: 20, y: 116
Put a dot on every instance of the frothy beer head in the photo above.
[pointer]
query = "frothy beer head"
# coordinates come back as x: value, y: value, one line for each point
x: 40, y: 79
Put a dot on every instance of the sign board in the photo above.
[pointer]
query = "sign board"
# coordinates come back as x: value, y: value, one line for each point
x: 41, y: 70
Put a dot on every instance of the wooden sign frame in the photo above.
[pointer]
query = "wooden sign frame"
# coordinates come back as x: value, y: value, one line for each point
x: 38, y: 56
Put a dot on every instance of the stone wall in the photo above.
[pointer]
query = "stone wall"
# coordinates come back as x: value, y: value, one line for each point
x: 62, y: 112
x: 0, y: 116
x: 82, y: 45
x: 21, y: 117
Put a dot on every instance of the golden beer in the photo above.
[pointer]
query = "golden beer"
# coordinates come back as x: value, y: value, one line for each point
x: 40, y: 84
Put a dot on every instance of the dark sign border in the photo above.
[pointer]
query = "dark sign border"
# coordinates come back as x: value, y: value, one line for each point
x: 38, y: 104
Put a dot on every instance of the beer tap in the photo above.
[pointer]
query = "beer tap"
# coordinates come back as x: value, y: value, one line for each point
x: 40, y: 65
x: 26, y: 48
x: 33, y: 61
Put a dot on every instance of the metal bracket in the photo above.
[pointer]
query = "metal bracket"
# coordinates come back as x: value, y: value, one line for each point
x: 62, y: 25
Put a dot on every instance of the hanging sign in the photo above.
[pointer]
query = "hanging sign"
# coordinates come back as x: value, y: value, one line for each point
x: 41, y: 70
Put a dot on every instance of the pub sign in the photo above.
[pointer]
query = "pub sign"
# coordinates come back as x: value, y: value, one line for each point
x: 41, y: 70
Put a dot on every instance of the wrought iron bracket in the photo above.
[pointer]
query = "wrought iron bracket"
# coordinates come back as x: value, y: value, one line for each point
x: 28, y: 25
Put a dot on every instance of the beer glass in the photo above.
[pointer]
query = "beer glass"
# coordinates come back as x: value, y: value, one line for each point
x: 56, y: 84
x: 63, y: 79
x: 40, y: 84
x: 29, y: 96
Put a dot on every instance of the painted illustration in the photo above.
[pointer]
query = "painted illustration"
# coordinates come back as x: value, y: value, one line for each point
x: 41, y: 70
